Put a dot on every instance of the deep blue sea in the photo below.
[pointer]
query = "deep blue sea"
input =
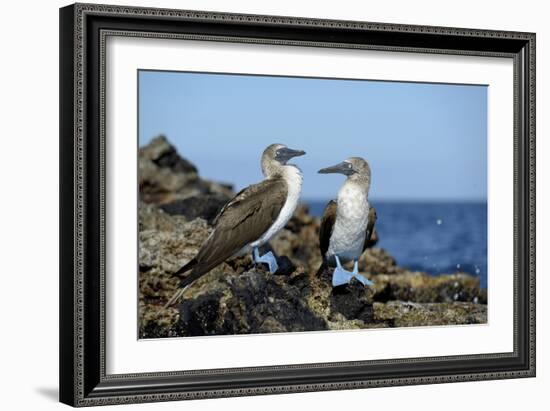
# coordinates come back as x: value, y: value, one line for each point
x: 435, y: 237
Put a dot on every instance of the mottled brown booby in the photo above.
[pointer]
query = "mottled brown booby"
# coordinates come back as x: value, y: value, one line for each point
x: 347, y: 223
x: 251, y: 218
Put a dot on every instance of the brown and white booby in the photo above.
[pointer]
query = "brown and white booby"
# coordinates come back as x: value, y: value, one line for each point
x: 347, y: 223
x: 251, y: 218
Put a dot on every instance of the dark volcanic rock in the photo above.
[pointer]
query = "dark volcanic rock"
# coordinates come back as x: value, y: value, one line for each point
x: 200, y: 316
x: 206, y: 207
x: 169, y: 158
x: 238, y: 297
x: 164, y: 155
x: 164, y: 176
x: 253, y: 302
x: 353, y: 301
x: 378, y: 261
x: 423, y: 288
x: 407, y: 314
x: 299, y: 240
x: 168, y: 242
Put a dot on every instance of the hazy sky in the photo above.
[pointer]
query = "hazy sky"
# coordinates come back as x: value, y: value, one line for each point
x: 423, y: 141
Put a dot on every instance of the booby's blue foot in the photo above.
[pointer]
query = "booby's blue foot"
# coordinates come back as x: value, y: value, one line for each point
x: 359, y: 277
x: 341, y: 276
x: 268, y: 258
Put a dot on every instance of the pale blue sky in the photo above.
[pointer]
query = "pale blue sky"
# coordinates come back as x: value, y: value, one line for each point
x: 423, y: 141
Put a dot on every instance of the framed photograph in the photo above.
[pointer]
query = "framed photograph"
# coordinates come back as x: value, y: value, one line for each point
x: 262, y: 204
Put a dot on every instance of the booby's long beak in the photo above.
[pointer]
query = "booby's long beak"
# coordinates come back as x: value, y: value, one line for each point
x: 284, y: 154
x: 341, y: 168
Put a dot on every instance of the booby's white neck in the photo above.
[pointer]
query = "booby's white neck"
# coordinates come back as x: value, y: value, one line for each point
x: 356, y: 186
x: 293, y: 178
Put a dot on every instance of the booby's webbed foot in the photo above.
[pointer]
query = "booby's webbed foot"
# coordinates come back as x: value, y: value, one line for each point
x: 359, y: 277
x: 268, y: 258
x: 341, y: 276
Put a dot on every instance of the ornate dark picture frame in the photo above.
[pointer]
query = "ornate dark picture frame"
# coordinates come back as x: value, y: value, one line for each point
x: 83, y: 30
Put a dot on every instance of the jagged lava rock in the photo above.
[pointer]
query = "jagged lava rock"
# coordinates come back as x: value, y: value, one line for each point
x: 252, y: 302
x: 408, y: 314
x: 164, y: 176
x: 423, y: 288
x: 206, y: 207
x: 165, y: 241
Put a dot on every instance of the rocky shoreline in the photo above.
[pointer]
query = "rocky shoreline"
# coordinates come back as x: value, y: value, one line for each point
x: 176, y: 209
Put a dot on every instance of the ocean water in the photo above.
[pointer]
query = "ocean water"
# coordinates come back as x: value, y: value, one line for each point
x: 435, y: 237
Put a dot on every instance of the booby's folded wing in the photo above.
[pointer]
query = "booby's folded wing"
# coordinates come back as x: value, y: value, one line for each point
x: 370, y: 226
x: 327, y: 225
x: 241, y: 221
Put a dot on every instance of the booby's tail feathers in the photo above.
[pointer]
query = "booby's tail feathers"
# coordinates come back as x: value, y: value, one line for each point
x: 190, y: 264
x: 185, y: 281
x: 175, y: 298
x: 196, y: 273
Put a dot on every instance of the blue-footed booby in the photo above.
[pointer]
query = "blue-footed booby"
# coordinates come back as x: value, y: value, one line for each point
x: 251, y: 218
x: 347, y: 223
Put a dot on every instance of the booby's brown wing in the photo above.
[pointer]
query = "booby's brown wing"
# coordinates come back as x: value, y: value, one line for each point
x: 370, y: 226
x: 327, y: 225
x: 241, y: 221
